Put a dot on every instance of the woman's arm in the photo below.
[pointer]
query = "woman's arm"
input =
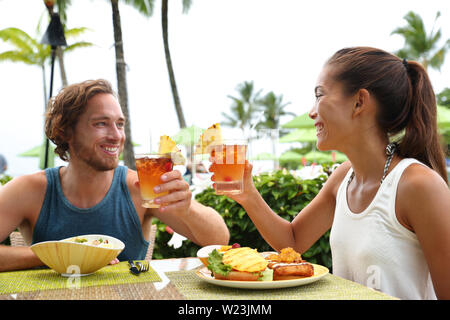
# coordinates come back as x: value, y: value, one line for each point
x: 306, y: 228
x: 423, y: 206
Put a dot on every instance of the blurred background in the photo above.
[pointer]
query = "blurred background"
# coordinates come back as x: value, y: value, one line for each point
x: 247, y: 64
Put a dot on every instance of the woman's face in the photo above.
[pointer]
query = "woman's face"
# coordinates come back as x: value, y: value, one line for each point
x: 332, y: 112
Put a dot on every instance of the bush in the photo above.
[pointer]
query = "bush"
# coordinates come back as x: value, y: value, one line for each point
x: 4, y: 178
x: 285, y: 193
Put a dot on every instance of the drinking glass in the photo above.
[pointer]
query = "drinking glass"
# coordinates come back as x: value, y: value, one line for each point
x: 150, y: 167
x: 228, y: 163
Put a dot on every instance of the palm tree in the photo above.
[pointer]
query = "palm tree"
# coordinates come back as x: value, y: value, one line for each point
x: 243, y: 107
x: 173, y: 85
x: 30, y: 51
x: 128, y: 151
x: 273, y: 108
x: 146, y: 7
x: 419, y: 45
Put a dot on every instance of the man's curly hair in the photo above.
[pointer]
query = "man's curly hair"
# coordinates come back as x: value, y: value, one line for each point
x: 64, y: 110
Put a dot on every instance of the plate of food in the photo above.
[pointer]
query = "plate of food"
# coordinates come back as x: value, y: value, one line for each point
x: 246, y: 268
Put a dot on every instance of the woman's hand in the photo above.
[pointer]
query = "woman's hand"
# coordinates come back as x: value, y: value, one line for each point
x: 249, y: 188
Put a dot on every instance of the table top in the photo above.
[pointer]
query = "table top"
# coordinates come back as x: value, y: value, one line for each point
x: 177, y: 281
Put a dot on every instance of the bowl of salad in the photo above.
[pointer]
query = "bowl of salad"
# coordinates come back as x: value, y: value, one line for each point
x: 80, y: 255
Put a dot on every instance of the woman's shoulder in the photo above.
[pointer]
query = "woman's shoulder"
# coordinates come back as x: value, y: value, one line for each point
x: 421, y: 189
x: 418, y: 176
x: 336, y: 178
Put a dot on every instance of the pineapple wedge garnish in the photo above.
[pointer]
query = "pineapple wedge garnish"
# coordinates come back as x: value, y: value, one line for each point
x: 212, y: 136
x: 168, y: 146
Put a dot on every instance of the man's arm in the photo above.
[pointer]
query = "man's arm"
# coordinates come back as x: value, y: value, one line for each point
x: 19, y: 199
x: 201, y: 224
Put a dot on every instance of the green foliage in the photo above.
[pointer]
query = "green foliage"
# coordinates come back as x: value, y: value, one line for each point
x: 4, y: 178
x: 285, y: 193
x: 443, y: 98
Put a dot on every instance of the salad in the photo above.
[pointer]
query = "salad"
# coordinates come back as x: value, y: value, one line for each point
x: 100, y: 242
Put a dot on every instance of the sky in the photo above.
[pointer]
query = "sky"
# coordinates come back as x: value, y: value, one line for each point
x: 280, y: 45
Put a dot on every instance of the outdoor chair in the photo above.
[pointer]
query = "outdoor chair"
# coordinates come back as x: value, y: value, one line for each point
x: 17, y: 240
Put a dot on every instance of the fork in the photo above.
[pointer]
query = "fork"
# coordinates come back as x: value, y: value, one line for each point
x: 142, y: 266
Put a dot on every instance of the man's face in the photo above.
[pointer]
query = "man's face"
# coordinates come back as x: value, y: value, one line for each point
x: 99, y: 135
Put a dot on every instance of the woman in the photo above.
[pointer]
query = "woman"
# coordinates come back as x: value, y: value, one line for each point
x: 388, y: 206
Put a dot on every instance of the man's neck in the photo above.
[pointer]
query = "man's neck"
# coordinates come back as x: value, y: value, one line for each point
x: 85, y: 187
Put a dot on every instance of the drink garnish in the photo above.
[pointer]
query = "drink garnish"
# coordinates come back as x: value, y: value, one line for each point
x: 210, y: 137
x: 169, y: 147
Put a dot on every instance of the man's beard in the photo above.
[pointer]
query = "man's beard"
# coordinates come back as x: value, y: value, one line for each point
x: 92, y: 159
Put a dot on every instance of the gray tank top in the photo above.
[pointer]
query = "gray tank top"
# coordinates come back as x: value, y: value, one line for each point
x: 115, y: 216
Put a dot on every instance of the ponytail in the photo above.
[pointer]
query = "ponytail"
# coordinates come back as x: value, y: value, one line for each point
x: 405, y: 96
x: 422, y: 140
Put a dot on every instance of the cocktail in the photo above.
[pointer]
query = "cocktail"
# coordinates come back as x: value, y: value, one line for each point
x: 228, y: 166
x: 150, y: 168
x: 228, y: 159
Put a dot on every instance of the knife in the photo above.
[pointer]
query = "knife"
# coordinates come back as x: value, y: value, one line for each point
x: 134, y: 270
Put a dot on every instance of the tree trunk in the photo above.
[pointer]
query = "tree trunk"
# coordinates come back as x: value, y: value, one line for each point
x: 62, y: 68
x: 128, y: 152
x: 173, y: 85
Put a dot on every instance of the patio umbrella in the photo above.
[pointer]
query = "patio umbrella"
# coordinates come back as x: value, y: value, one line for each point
x: 300, y: 135
x: 264, y: 156
x: 188, y: 136
x: 301, y: 122
x: 318, y: 156
x: 291, y: 156
x: 39, y: 152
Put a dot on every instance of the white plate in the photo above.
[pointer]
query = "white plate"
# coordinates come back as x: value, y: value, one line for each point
x: 319, y: 272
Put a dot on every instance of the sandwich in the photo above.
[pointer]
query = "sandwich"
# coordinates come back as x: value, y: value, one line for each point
x: 239, y: 264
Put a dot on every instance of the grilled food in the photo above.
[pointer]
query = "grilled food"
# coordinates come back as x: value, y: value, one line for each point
x: 288, y: 264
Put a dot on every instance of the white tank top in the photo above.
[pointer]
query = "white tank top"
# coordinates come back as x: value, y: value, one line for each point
x: 374, y: 249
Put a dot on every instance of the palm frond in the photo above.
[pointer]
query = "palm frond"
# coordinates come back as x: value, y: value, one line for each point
x: 77, y: 45
x: 145, y: 7
x: 437, y: 60
x: 187, y: 5
x: 75, y: 32
x: 15, y: 56
x: 18, y: 38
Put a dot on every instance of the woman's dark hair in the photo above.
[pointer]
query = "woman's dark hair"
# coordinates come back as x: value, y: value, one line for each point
x: 64, y: 110
x: 405, y: 97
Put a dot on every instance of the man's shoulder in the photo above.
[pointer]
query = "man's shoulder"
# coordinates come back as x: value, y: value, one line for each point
x: 26, y: 191
x: 131, y: 180
x: 34, y: 181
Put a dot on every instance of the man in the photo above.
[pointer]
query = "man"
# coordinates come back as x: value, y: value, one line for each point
x: 3, y: 164
x: 93, y: 194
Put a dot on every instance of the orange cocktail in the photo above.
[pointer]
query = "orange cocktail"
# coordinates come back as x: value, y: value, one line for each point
x: 150, y: 168
x: 228, y: 166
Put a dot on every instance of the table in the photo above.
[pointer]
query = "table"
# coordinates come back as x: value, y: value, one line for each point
x: 179, y: 282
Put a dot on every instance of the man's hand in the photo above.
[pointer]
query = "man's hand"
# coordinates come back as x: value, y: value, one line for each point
x: 179, y: 197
